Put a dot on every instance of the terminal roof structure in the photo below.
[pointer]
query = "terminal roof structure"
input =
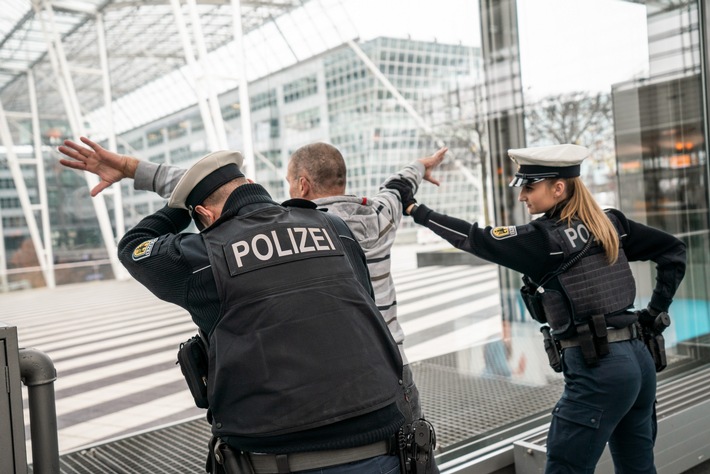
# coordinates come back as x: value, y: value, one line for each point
x: 142, y: 38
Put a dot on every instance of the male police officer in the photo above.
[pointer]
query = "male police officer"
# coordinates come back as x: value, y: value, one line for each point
x: 301, y: 365
x: 317, y: 172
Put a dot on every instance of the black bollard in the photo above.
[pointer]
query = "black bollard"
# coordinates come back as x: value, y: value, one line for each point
x: 38, y: 374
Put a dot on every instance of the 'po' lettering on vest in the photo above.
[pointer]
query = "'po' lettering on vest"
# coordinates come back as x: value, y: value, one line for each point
x: 577, y: 236
x: 272, y: 246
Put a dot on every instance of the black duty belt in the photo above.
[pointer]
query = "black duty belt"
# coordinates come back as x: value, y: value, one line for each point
x: 284, y: 463
x: 612, y: 334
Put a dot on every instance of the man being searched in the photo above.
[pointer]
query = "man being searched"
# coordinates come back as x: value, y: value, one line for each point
x: 303, y: 372
x: 317, y: 172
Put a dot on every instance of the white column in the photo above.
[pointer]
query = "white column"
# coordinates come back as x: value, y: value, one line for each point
x: 245, y: 107
x: 55, y: 50
x: 207, y: 84
x: 41, y: 183
x: 27, y: 207
x: 110, y: 130
x: 198, y: 75
x: 4, y: 288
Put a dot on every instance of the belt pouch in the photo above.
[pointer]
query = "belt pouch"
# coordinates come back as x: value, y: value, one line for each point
x: 553, y: 353
x: 600, y: 335
x: 533, y: 303
x: 192, y: 358
x: 586, y: 344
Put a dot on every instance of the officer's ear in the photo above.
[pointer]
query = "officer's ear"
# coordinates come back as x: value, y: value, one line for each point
x: 206, y: 216
x: 558, y: 188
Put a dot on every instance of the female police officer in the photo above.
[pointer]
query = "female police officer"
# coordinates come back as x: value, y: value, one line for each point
x: 575, y: 261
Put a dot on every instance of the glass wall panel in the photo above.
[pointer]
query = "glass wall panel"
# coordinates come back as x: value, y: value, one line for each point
x: 625, y: 80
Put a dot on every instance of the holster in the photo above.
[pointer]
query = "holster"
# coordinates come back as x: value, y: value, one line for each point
x: 593, y: 340
x: 222, y: 459
x: 654, y: 340
x: 193, y: 361
x: 416, y: 444
x: 551, y: 349
x: 533, y: 301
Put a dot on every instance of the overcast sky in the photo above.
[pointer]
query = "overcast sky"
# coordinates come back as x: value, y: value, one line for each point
x: 581, y: 44
x: 565, y: 44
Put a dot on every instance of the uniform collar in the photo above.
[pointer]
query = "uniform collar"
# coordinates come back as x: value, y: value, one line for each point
x: 556, y: 210
x: 244, y: 196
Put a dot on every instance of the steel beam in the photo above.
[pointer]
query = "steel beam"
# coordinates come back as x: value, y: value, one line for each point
x: 47, y: 254
x: 198, y: 76
x: 245, y: 107
x: 67, y: 90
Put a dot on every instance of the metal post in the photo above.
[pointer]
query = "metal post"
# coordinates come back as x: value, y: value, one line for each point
x: 244, y: 106
x: 38, y: 374
x: 111, y: 132
x: 217, y: 119
x: 55, y: 51
x: 4, y: 287
x: 19, y: 180
x: 48, y: 255
x: 197, y: 74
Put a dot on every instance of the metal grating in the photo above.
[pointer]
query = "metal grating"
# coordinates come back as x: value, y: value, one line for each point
x: 179, y: 448
x: 461, y: 407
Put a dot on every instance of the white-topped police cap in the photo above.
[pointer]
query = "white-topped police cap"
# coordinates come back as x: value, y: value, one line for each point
x: 541, y: 162
x: 204, y: 177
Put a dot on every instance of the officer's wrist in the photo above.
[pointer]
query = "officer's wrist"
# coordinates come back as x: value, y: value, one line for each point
x: 411, y: 209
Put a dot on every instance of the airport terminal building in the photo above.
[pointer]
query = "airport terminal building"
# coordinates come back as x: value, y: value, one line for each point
x: 169, y: 81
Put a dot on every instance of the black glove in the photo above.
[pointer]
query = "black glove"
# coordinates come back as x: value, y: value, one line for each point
x: 653, y: 320
x: 404, y: 189
x: 647, y: 317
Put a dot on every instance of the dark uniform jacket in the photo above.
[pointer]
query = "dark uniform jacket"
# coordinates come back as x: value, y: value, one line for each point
x: 300, y: 359
x: 528, y: 248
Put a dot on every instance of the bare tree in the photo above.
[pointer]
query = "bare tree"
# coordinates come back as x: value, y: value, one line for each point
x: 580, y: 117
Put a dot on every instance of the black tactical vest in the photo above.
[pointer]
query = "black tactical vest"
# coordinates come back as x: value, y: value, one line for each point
x: 590, y: 286
x: 300, y: 343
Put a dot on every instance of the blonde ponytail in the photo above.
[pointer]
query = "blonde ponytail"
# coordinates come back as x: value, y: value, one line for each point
x: 582, y: 206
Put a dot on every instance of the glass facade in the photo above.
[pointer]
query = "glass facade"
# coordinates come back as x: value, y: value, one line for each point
x: 640, y: 108
x: 354, y: 111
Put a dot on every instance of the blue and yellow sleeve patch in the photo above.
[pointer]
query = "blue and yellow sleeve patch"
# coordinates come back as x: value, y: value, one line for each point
x: 500, y: 233
x: 144, y: 249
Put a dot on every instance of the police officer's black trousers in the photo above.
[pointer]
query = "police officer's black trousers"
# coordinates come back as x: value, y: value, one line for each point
x: 612, y: 402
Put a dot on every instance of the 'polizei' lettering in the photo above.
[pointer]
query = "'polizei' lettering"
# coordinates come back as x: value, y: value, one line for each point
x: 281, y: 243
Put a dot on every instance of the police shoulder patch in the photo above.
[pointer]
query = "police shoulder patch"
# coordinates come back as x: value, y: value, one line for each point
x: 500, y: 233
x: 144, y: 249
